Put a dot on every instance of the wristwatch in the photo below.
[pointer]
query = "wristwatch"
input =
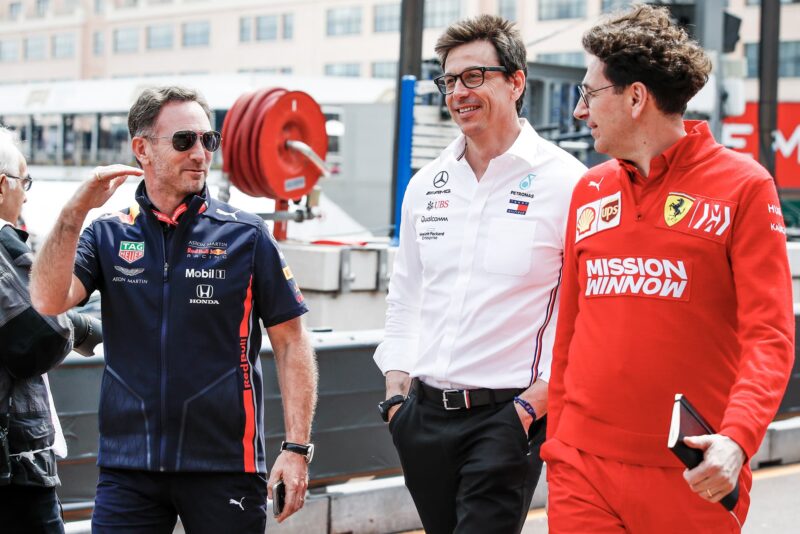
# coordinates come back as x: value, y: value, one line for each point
x: 383, y: 407
x: 306, y: 451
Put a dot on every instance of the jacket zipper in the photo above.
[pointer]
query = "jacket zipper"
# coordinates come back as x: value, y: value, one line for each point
x: 164, y: 315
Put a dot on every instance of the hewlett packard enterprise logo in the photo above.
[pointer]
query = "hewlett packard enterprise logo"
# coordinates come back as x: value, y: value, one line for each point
x: 215, y: 274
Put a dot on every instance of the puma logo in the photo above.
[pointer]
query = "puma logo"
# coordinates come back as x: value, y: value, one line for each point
x: 592, y: 183
x: 229, y: 214
x: 237, y: 503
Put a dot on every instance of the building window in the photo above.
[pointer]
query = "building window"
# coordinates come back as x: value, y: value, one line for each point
x: 159, y: 37
x: 35, y: 48
x: 98, y: 43
x: 758, y: 2
x: 126, y: 40
x: 267, y: 28
x: 288, y: 26
x: 344, y: 21
x: 507, y: 9
x: 609, y: 6
x: 570, y: 59
x: 384, y: 69
x: 41, y: 7
x: 561, y: 9
x: 788, y: 59
x: 9, y: 51
x: 441, y: 13
x: 127, y: 3
x: 63, y: 46
x: 245, y: 29
x: 14, y: 10
x: 99, y: 6
x: 196, y: 33
x: 343, y: 69
x: 387, y: 18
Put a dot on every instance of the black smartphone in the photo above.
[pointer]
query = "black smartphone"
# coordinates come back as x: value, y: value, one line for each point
x: 278, y: 498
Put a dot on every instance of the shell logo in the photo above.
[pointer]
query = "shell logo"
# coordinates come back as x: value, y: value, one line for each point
x: 585, y: 220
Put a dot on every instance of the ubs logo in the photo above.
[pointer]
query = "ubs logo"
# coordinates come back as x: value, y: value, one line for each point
x: 440, y: 180
x: 204, y: 291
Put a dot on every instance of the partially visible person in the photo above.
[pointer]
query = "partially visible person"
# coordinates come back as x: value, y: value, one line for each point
x: 473, y: 297
x: 676, y: 280
x: 185, y: 281
x: 30, y: 345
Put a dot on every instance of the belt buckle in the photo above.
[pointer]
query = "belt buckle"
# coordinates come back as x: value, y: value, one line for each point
x: 447, y: 406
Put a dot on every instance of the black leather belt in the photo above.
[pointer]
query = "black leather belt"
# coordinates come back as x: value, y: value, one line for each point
x: 463, y: 399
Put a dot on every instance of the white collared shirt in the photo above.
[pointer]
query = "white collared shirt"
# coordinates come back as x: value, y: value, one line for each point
x: 474, y: 293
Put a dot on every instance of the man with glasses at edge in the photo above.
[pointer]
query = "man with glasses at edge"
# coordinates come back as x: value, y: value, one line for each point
x: 184, y: 280
x: 30, y: 345
x: 473, y: 296
x: 676, y: 280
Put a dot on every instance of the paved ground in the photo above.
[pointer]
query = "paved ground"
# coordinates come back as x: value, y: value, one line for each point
x: 775, y: 505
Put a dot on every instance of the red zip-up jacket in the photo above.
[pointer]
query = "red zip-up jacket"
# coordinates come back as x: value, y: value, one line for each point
x: 675, y: 283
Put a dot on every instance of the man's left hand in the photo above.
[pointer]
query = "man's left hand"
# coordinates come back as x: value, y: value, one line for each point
x: 524, y: 417
x: 293, y: 470
x: 717, y: 474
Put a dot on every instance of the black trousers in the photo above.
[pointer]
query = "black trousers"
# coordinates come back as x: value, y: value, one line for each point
x: 29, y: 510
x: 468, y: 471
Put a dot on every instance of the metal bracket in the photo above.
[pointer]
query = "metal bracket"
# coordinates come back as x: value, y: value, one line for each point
x: 346, y: 275
x: 382, y: 283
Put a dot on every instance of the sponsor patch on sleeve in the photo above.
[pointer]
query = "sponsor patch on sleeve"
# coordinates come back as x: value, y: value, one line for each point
x: 597, y: 216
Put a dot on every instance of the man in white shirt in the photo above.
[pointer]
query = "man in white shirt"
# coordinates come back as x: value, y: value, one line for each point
x: 474, y: 294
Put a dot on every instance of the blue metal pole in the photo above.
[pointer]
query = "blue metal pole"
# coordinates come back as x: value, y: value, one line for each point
x: 404, y: 132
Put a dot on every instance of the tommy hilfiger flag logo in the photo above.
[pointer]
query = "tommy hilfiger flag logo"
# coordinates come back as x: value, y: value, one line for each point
x: 517, y: 207
x: 131, y: 251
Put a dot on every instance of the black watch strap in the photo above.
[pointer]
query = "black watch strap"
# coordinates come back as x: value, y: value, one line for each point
x: 306, y: 451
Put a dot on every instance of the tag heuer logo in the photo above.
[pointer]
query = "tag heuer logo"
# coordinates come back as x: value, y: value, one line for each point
x: 131, y: 251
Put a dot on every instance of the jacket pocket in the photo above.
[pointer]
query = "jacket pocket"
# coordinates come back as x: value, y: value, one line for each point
x: 213, y: 427
x: 509, y: 247
x: 125, y: 436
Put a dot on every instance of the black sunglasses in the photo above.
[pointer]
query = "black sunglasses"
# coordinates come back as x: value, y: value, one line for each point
x: 25, y: 181
x: 185, y: 139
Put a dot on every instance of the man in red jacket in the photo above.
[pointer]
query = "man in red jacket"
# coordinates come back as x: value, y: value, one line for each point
x: 676, y: 280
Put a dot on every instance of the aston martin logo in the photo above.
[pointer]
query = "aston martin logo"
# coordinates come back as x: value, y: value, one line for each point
x: 676, y: 207
x: 129, y: 272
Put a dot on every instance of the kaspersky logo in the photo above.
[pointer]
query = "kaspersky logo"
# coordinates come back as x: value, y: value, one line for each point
x: 131, y: 251
x: 215, y: 274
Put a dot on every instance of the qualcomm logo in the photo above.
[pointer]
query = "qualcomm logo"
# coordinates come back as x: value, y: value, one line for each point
x: 218, y: 274
x: 204, y: 293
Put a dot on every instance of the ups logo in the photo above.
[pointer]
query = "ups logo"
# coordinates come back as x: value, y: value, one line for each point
x: 610, y: 210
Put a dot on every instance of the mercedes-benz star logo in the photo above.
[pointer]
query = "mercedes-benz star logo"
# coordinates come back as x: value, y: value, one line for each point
x: 440, y: 179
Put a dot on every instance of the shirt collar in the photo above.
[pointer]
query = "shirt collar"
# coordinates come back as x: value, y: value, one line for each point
x: 521, y: 147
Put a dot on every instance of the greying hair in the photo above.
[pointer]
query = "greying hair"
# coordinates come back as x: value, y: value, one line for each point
x: 10, y: 155
x: 144, y: 112
x: 497, y: 31
x: 643, y: 45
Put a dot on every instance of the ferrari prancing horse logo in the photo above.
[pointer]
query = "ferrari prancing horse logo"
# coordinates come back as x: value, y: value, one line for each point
x: 676, y: 207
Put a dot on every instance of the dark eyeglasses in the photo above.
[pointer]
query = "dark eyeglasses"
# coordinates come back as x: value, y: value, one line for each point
x: 26, y: 181
x: 586, y: 95
x: 185, y: 139
x: 471, y: 78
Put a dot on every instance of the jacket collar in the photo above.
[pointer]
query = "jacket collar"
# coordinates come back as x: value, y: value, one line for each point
x: 192, y: 204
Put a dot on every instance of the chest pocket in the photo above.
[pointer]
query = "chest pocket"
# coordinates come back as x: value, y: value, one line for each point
x: 509, y: 247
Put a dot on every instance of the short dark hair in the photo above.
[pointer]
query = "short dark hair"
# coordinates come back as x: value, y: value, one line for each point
x: 499, y: 32
x: 643, y: 45
x: 144, y: 112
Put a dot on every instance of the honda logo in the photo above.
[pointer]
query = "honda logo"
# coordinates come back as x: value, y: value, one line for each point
x: 205, y: 291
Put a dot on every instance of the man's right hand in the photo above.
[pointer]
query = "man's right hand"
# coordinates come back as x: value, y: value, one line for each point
x: 103, y: 182
x: 397, y: 383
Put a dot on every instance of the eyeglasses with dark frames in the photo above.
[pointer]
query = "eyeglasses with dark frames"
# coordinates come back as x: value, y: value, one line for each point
x: 25, y: 181
x: 586, y: 95
x: 471, y: 78
x: 183, y: 140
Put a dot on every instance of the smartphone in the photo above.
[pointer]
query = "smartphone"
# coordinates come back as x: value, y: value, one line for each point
x: 278, y: 498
